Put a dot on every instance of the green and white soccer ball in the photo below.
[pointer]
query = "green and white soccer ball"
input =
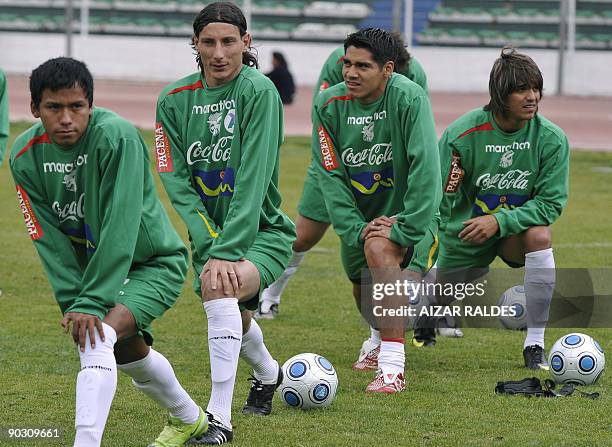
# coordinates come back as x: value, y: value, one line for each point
x: 514, y: 298
x: 310, y: 381
x: 576, y: 358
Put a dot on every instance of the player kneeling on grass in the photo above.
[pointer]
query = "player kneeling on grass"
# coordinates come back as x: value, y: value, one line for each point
x: 111, y: 254
x: 507, y: 180
x: 313, y: 220
x: 218, y: 136
x: 377, y: 160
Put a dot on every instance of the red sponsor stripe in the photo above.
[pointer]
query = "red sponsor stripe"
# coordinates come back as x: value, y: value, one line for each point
x: 485, y: 126
x: 394, y: 340
x: 455, y: 175
x: 324, y: 85
x: 339, y: 98
x: 44, y: 138
x: 193, y: 86
x: 163, y: 154
x: 328, y: 155
x: 33, y: 226
x: 340, y: 60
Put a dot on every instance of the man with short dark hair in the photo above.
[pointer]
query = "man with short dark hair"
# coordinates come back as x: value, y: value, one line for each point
x: 313, y: 220
x: 113, y: 259
x: 506, y: 174
x: 374, y: 144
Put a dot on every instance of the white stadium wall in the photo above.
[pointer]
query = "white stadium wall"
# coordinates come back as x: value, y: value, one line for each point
x: 166, y: 59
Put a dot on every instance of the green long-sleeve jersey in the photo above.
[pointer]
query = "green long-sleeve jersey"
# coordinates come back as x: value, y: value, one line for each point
x: 378, y: 159
x: 93, y: 212
x: 217, y: 155
x: 331, y: 73
x: 4, y: 116
x: 521, y: 178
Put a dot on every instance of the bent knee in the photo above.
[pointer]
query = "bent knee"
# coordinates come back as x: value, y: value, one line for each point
x: 381, y: 252
x: 537, y: 238
x: 206, y: 290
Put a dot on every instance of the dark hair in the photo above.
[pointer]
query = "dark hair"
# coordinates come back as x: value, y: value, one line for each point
x: 377, y: 41
x: 511, y: 72
x: 59, y: 73
x: 223, y: 12
x: 281, y: 59
x: 403, y: 57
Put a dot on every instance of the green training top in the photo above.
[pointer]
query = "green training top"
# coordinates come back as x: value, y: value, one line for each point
x: 378, y: 159
x: 331, y: 73
x: 218, y: 156
x: 93, y: 212
x: 520, y: 177
x: 4, y: 116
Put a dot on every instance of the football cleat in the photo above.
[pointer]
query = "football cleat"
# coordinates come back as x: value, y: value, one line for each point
x: 217, y: 434
x: 176, y: 433
x: 424, y: 337
x: 266, y: 311
x: 534, y: 358
x: 259, y: 401
x: 368, y: 357
x: 387, y: 383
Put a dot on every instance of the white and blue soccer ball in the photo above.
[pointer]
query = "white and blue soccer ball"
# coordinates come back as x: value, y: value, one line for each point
x: 576, y: 358
x: 310, y: 381
x: 514, y: 298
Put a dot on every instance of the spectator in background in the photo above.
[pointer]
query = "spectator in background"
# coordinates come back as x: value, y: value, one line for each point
x: 282, y: 78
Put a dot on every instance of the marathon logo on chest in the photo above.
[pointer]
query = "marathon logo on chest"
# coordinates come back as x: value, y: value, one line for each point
x: 501, y: 148
x: 224, y: 104
x: 34, y: 229
x: 455, y: 176
x: 65, y: 168
x: 327, y: 150
x: 361, y: 120
x: 163, y: 155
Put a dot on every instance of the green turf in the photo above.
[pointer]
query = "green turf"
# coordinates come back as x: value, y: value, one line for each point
x: 449, y: 399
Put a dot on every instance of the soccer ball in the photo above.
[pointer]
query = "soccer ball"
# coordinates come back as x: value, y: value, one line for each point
x: 514, y: 297
x: 310, y: 381
x: 576, y: 358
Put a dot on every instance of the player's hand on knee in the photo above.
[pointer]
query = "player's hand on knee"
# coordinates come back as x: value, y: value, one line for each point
x: 223, y: 275
x: 378, y: 224
x: 480, y: 229
x: 83, y: 324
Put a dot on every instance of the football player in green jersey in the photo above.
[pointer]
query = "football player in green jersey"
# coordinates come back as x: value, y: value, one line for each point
x: 113, y: 259
x: 312, y: 220
x: 506, y: 171
x: 4, y: 116
x: 218, y: 136
x: 376, y: 156
x: 4, y: 120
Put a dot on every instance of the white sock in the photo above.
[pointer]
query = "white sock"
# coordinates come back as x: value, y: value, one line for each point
x: 154, y: 376
x: 255, y: 353
x: 539, y: 287
x: 374, y: 336
x: 273, y: 293
x: 392, y: 358
x: 224, y: 340
x: 95, y: 388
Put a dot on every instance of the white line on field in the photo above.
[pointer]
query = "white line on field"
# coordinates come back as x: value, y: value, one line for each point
x: 322, y: 250
x: 584, y: 245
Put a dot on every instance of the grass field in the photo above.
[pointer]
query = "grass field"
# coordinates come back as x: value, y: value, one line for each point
x: 449, y: 399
